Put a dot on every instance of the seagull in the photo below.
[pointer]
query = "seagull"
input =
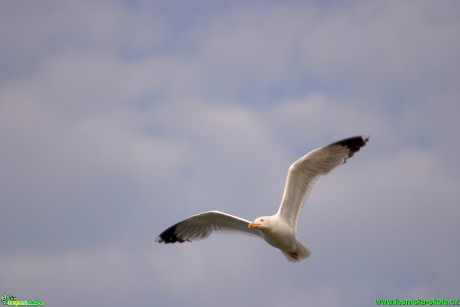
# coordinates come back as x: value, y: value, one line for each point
x: 279, y: 229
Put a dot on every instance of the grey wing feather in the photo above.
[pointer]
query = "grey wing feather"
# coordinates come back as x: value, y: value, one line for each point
x: 303, y: 173
x: 200, y: 226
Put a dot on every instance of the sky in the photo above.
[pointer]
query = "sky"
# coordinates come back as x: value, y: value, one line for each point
x: 120, y: 118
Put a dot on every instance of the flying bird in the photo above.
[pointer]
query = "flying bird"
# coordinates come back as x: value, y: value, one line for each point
x: 279, y: 229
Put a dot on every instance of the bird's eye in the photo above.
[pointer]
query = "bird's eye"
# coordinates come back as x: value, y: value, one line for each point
x: 261, y: 220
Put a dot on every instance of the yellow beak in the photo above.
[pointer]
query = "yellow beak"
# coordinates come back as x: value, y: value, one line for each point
x: 253, y: 225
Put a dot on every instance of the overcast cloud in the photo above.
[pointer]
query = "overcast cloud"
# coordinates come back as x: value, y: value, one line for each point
x: 119, y: 118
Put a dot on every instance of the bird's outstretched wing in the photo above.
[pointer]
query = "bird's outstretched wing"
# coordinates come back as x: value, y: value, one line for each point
x: 303, y: 173
x: 200, y: 226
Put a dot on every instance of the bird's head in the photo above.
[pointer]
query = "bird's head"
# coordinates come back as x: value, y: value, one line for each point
x: 260, y: 223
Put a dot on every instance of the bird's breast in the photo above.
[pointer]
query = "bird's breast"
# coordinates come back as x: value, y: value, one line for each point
x: 282, y: 238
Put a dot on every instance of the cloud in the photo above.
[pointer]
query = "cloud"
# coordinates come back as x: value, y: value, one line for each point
x: 128, y: 117
x: 388, y: 42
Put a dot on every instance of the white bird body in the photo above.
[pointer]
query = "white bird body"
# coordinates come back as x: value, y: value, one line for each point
x: 278, y: 233
x: 279, y: 229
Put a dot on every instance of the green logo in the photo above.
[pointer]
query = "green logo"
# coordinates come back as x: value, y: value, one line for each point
x: 10, y: 300
x: 5, y: 298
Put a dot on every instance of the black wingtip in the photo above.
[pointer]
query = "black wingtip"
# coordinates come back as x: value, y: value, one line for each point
x: 353, y: 144
x: 169, y: 236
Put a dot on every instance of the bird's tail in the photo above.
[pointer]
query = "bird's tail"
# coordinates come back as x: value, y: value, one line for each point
x: 301, y: 252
